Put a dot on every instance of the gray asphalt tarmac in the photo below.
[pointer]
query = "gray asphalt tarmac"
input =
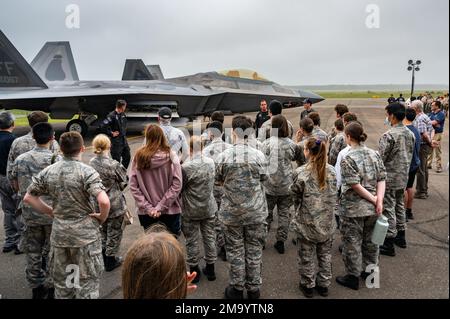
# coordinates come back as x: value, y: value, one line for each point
x: 420, y: 271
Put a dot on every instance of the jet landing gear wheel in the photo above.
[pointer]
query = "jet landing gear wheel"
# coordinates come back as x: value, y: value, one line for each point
x: 77, y: 126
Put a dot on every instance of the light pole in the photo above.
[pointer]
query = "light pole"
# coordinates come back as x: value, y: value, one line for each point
x: 414, y: 67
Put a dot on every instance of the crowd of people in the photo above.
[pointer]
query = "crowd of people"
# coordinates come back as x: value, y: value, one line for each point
x: 218, y: 191
x: 426, y: 98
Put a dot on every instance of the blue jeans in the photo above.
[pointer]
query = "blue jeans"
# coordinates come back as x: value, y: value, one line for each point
x: 13, y: 224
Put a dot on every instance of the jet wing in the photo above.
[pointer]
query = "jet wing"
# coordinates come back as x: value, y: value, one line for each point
x: 99, y: 88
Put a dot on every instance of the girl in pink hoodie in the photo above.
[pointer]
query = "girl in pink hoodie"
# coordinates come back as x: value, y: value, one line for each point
x: 156, y: 181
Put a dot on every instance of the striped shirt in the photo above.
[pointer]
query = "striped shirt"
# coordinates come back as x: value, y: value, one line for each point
x: 423, y: 125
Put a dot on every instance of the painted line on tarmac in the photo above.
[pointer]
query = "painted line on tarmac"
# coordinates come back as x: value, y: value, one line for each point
x: 429, y: 234
x: 428, y: 220
x: 428, y: 246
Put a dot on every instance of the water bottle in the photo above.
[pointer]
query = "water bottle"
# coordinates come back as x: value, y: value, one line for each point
x: 380, y: 230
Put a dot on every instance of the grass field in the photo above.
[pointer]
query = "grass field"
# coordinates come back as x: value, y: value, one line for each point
x: 370, y: 94
x: 21, y: 118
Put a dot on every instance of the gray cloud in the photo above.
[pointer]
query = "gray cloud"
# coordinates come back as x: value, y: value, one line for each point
x: 288, y: 41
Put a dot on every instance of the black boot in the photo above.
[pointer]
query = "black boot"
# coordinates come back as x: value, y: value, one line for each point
x: 400, y: 240
x: 233, y: 293
x: 279, y: 246
x: 253, y: 295
x: 348, y: 281
x: 112, y: 262
x: 40, y: 292
x: 222, y: 254
x: 209, y: 272
x: 409, y: 214
x: 388, y: 249
x: 322, y: 291
x: 17, y: 251
x: 307, y: 292
x: 364, y: 275
x: 197, y: 270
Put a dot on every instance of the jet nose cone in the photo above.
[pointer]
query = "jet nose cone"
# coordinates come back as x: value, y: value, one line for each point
x: 315, y: 98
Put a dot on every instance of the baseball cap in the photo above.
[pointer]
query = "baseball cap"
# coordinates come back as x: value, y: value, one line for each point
x: 165, y: 113
x: 307, y: 101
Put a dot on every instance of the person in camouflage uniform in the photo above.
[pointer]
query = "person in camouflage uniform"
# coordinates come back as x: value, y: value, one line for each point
x: 280, y: 152
x: 317, y: 131
x: 314, y: 188
x: 337, y: 143
x: 114, y: 178
x: 27, y: 143
x: 333, y: 153
x: 22, y: 145
x: 252, y: 141
x: 213, y: 150
x: 243, y: 212
x: 396, y: 148
x: 362, y: 191
x: 199, y: 209
x: 75, y: 261
x: 340, y: 110
x: 264, y: 132
x: 303, y: 134
x: 337, y: 150
x: 36, y: 236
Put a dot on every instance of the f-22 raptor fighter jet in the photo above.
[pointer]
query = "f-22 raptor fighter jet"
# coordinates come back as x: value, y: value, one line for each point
x: 51, y: 85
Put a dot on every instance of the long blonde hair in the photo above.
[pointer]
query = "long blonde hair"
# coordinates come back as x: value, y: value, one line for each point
x: 101, y: 144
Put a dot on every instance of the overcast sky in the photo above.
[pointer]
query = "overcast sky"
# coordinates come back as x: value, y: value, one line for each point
x: 307, y: 42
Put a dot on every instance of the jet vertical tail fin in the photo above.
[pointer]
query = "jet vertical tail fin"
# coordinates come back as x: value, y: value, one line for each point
x: 135, y: 70
x: 15, y: 72
x: 155, y: 71
x: 55, y: 62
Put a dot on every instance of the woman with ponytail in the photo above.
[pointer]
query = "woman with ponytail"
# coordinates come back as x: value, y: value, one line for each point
x: 114, y: 178
x: 314, y: 191
x: 363, y: 186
